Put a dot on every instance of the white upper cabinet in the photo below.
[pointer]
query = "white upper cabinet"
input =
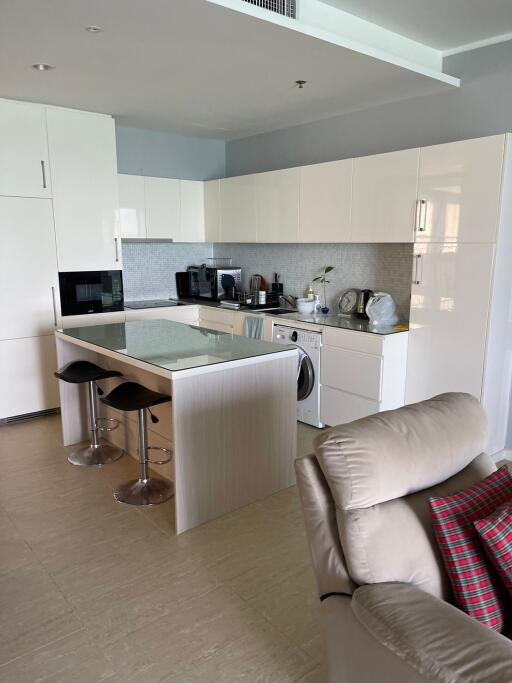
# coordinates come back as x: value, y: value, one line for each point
x: 24, y: 167
x: 384, y: 197
x: 238, y: 209
x: 132, y: 206
x: 163, y: 220
x: 459, y: 190
x: 325, y: 201
x: 29, y: 287
x: 448, y: 322
x: 277, y: 205
x: 212, y: 217
x: 192, y: 211
x: 85, y: 195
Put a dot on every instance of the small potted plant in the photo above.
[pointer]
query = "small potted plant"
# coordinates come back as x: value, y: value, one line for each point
x: 322, y: 279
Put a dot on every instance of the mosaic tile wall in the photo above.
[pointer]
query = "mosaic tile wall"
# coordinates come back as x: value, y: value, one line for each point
x: 149, y: 267
x: 380, y: 267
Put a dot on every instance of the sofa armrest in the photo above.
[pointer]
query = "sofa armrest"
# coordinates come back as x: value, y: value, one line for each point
x: 436, y: 639
x: 321, y: 529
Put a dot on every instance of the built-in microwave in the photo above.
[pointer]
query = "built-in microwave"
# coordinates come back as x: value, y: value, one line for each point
x: 91, y: 291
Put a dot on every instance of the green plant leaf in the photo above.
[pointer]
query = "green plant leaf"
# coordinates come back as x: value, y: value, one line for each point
x: 315, y: 279
x: 329, y: 268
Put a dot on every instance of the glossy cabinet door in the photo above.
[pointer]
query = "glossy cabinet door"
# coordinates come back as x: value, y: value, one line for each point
x: 238, y: 209
x: 212, y: 216
x: 132, y: 206
x: 277, y: 206
x: 85, y: 195
x: 192, y: 211
x: 325, y: 202
x: 449, y: 319
x: 459, y: 187
x: 384, y: 197
x: 24, y: 167
x: 163, y: 220
x: 26, y: 375
x: 29, y: 282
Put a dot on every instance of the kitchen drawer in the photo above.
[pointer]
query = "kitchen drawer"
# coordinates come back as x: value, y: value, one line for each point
x: 358, y: 373
x: 219, y: 327
x: 181, y: 314
x: 339, y: 407
x: 215, y: 315
x: 93, y: 319
x: 355, y: 341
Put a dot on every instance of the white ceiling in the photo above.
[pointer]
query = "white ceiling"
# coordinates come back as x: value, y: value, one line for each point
x: 193, y: 67
x: 442, y: 24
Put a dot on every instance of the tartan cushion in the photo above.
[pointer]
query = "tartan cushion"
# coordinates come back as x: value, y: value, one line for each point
x: 495, y: 532
x: 475, y: 584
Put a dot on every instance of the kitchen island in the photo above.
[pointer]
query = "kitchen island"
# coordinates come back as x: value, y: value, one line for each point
x: 231, y: 424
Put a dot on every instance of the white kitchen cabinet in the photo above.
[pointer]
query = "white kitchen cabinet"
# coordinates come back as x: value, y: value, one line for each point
x: 85, y: 196
x: 24, y: 167
x: 459, y: 189
x: 192, y: 217
x: 238, y: 209
x: 216, y: 318
x: 89, y: 319
x: 361, y: 374
x: 212, y: 215
x: 449, y: 319
x: 163, y: 219
x: 277, y: 206
x: 325, y: 201
x: 29, y: 282
x: 132, y: 206
x: 384, y: 197
x: 26, y: 371
x: 178, y: 314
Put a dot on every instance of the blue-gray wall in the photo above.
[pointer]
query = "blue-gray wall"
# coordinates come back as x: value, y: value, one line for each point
x: 482, y: 106
x: 147, y: 152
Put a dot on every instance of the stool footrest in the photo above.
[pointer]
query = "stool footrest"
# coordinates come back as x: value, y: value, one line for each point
x: 162, y: 450
x: 114, y: 424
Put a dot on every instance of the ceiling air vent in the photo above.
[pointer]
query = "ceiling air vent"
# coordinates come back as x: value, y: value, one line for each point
x: 285, y: 7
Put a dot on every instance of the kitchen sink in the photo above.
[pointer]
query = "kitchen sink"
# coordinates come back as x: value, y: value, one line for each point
x: 276, y: 311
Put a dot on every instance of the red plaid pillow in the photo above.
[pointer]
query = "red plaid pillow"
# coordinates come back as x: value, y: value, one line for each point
x: 495, y: 532
x: 475, y: 584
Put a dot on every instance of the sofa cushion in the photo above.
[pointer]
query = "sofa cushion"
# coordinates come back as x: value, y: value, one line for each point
x: 475, y: 583
x: 495, y: 532
x: 398, y: 452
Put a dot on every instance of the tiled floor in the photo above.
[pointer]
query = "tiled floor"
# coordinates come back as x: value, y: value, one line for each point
x: 91, y: 590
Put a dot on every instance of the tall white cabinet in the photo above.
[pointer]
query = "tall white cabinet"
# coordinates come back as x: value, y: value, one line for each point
x: 461, y: 318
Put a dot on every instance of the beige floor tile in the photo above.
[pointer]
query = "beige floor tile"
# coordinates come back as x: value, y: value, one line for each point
x: 317, y: 675
x: 198, y: 630
x: 15, y: 554
x: 33, y: 612
x: 265, y: 657
x: 70, y: 659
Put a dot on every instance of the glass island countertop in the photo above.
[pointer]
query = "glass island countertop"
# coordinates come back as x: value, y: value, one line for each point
x: 173, y: 346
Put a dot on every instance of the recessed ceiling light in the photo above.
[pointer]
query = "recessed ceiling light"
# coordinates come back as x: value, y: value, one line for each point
x: 94, y: 29
x: 42, y: 67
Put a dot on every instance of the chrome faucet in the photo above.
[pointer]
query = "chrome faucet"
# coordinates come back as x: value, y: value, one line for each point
x: 288, y: 299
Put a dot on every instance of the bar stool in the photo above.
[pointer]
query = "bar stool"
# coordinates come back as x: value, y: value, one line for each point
x: 98, y: 453
x: 145, y: 490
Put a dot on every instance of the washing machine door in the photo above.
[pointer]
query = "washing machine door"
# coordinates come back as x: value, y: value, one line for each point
x: 305, y: 376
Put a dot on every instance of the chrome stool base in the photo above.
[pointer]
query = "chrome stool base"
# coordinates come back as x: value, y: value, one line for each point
x: 95, y: 456
x: 145, y: 492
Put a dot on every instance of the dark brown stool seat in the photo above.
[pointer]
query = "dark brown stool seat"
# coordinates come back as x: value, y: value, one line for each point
x: 146, y: 490
x: 97, y: 453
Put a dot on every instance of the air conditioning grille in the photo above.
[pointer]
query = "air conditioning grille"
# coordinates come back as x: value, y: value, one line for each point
x: 287, y: 8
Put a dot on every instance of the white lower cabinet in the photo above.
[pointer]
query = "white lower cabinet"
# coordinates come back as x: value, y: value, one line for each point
x: 179, y: 314
x: 360, y: 374
x: 448, y: 323
x: 93, y: 319
x: 26, y: 370
x: 216, y: 319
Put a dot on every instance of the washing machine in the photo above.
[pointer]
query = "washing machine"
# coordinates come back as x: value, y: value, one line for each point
x: 308, y: 370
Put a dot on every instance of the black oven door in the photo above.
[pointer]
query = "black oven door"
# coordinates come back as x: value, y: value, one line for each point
x: 92, y: 291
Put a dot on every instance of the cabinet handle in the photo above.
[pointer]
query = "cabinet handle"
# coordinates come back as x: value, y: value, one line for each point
x: 421, y: 215
x: 117, y: 249
x: 417, y: 263
x: 43, y: 173
x: 54, y: 308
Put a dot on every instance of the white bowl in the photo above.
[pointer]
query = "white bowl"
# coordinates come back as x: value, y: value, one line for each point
x: 306, y: 306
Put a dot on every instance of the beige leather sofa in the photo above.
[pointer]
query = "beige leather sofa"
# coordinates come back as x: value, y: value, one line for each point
x: 385, y: 598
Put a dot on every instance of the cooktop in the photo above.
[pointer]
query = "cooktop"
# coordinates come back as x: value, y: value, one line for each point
x: 152, y: 303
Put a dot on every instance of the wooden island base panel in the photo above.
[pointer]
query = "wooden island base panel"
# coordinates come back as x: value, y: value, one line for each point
x: 231, y: 425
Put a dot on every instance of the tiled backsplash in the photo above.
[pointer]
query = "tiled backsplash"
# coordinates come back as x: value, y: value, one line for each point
x: 149, y: 267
